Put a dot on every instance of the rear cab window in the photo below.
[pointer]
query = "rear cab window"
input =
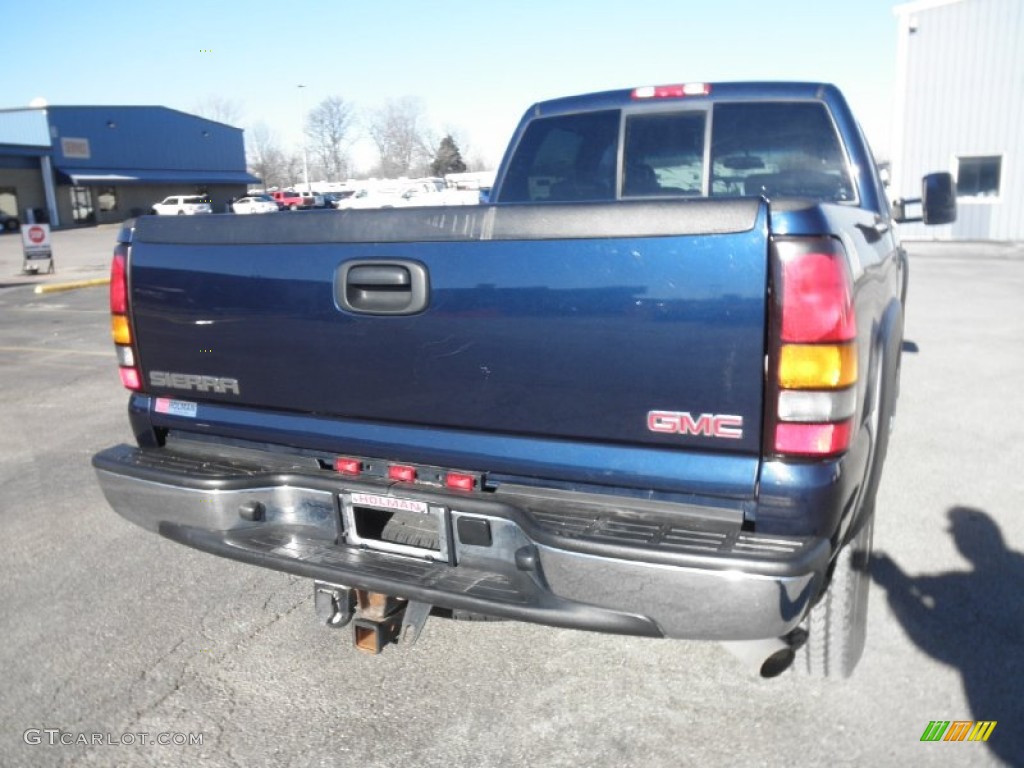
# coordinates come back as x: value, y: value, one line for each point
x: 566, y: 158
x: 733, y: 149
x: 778, y: 149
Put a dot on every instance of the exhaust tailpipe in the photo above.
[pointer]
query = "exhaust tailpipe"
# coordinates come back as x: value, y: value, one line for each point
x: 769, y: 657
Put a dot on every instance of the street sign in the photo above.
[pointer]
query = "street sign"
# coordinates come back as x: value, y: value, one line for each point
x: 35, y: 244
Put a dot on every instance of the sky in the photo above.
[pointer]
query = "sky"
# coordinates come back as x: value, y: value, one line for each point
x: 474, y: 66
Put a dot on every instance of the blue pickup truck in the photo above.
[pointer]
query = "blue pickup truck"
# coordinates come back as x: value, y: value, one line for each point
x: 647, y: 389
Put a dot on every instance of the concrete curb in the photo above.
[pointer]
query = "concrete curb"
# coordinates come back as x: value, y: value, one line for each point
x: 56, y: 287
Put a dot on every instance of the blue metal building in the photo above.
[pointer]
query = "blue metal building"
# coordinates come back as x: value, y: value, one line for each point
x: 94, y: 165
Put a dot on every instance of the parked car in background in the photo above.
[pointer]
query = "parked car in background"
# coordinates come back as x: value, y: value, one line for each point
x: 183, y: 205
x: 331, y: 199
x: 293, y: 200
x: 9, y: 223
x: 369, y: 198
x: 255, y: 204
x: 337, y: 199
x: 409, y: 194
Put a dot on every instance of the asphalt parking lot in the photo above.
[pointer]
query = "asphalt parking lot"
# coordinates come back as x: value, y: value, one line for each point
x: 116, y: 640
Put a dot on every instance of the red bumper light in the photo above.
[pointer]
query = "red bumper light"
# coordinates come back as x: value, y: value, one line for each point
x: 348, y: 466
x: 402, y: 474
x: 457, y: 481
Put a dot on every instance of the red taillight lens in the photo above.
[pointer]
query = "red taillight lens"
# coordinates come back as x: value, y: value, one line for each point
x: 817, y: 440
x: 120, y: 323
x: 815, y: 354
x: 119, y: 281
x: 817, y: 302
x: 130, y: 378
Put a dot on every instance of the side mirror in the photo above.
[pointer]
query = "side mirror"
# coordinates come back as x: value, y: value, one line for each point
x: 938, y: 198
x: 937, y: 201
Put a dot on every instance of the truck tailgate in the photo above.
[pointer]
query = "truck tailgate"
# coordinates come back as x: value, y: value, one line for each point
x: 621, y: 323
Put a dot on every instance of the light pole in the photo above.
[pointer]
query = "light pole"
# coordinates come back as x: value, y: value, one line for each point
x: 305, y: 156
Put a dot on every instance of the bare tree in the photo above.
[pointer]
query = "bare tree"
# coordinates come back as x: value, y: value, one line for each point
x: 293, y: 171
x: 223, y: 110
x: 402, y: 141
x: 329, y: 127
x: 266, y: 158
x: 477, y: 162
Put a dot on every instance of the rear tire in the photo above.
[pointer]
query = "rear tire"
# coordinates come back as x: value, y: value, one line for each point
x: 837, y: 626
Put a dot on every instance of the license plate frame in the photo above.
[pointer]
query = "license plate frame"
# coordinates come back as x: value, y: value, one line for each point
x: 361, y: 519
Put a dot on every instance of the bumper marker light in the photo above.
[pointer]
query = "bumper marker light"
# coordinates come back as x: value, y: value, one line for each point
x: 401, y: 473
x: 457, y: 481
x: 348, y: 466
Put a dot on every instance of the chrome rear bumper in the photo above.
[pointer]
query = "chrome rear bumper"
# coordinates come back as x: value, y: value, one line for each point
x: 600, y: 563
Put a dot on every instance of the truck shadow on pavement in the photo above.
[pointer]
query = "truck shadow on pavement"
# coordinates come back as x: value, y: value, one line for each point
x: 971, y: 620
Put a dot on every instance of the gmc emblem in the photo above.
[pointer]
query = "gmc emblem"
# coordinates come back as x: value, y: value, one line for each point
x: 706, y: 425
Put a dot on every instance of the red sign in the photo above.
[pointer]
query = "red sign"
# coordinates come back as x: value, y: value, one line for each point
x: 35, y: 241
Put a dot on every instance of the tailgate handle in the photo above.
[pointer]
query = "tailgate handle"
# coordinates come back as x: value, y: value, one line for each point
x: 399, y: 287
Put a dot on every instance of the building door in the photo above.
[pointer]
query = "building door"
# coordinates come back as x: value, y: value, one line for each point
x: 9, y: 201
x: 81, y: 205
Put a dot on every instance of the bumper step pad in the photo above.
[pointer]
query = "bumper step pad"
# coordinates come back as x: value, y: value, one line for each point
x: 502, y: 591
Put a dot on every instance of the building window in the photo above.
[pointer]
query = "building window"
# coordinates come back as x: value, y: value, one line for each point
x: 107, y: 199
x: 978, y: 176
x: 81, y: 205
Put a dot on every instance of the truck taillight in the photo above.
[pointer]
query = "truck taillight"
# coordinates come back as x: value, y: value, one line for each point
x: 813, y: 370
x: 120, y: 322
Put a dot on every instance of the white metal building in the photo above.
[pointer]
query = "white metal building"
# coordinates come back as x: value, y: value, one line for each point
x: 960, y: 108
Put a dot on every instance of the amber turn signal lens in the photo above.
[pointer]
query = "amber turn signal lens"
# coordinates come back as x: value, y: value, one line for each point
x: 817, y: 366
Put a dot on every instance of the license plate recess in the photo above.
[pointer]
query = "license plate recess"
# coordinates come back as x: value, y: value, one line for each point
x: 398, y: 525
